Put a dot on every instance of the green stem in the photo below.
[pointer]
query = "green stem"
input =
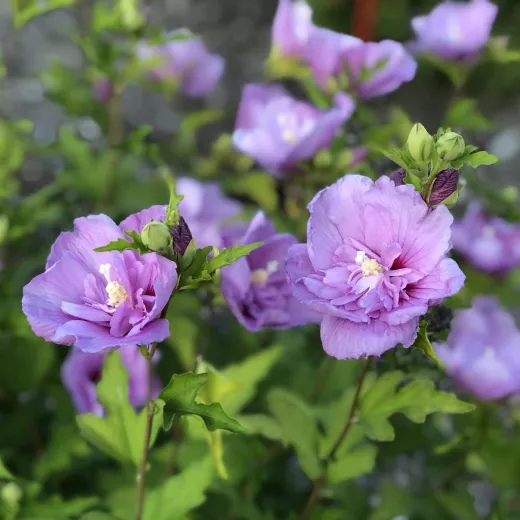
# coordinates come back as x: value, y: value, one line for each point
x: 141, y: 475
x: 318, y: 483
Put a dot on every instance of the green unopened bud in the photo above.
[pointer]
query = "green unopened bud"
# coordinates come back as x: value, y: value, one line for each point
x: 450, y: 146
x: 420, y: 144
x: 323, y: 159
x: 156, y: 236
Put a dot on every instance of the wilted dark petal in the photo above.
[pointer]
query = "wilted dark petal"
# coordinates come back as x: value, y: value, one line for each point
x: 398, y: 176
x: 445, y: 184
x: 181, y: 236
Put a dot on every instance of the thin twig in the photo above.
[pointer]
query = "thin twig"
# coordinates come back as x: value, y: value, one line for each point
x: 318, y: 483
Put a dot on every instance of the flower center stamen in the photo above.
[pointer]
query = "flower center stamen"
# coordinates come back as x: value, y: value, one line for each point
x: 262, y: 275
x: 369, y: 266
x: 116, y: 292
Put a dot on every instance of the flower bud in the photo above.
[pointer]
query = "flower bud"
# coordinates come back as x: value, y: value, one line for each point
x: 398, y: 176
x: 445, y: 184
x: 420, y: 144
x: 450, y: 146
x: 181, y: 236
x: 156, y: 236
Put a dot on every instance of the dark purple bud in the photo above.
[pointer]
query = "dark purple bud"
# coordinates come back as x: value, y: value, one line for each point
x: 444, y: 185
x: 181, y: 237
x: 398, y: 176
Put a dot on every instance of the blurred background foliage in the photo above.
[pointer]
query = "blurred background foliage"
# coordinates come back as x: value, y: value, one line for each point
x: 64, y: 154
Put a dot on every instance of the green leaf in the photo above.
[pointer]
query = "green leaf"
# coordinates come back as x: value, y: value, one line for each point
x: 459, y: 504
x: 259, y: 424
x: 229, y: 255
x: 56, y: 509
x: 395, y: 501
x: 299, y: 428
x: 259, y: 187
x: 180, y: 494
x: 416, y: 400
x: 179, y: 397
x: 248, y: 374
x: 4, y: 472
x: 456, y: 71
x: 464, y: 113
x: 97, y: 515
x: 396, y: 155
x: 122, y: 245
x: 25, y: 10
x: 480, y: 159
x: 65, y: 445
x: 194, y: 268
x: 422, y: 342
x: 172, y: 211
x: 121, y: 433
x: 356, y: 463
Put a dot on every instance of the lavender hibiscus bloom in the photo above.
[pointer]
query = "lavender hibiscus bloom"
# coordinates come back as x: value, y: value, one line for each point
x: 81, y: 372
x: 375, y: 259
x: 186, y: 61
x: 280, y: 131
x: 482, y: 350
x: 255, y: 287
x: 99, y: 300
x: 489, y: 243
x: 292, y: 28
x: 454, y: 30
x: 204, y: 209
x: 373, y: 68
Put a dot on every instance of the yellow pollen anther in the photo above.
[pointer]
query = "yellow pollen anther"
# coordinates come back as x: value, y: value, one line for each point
x: 370, y: 267
x: 259, y: 276
x: 288, y: 136
x: 116, y: 294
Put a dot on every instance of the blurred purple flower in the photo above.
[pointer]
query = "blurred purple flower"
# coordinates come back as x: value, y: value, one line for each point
x: 374, y: 261
x: 482, y: 352
x: 359, y: 154
x: 292, y: 28
x: 255, y: 287
x: 373, y: 68
x: 204, y: 209
x: 102, y: 90
x: 186, y: 61
x: 81, y: 372
x: 489, y: 243
x: 454, y: 30
x: 279, y: 131
x: 99, y: 300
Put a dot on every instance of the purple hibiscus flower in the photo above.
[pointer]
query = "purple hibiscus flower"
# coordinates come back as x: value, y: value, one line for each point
x: 255, y: 287
x: 454, y: 30
x: 186, y: 61
x: 204, y: 209
x: 99, y: 300
x: 292, y: 28
x: 373, y: 68
x: 280, y: 131
x: 102, y: 90
x: 81, y: 372
x: 482, y: 350
x: 489, y: 243
x: 375, y: 259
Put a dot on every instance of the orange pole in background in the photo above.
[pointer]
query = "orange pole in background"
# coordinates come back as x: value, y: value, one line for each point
x: 364, y: 25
